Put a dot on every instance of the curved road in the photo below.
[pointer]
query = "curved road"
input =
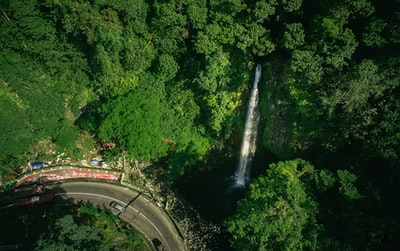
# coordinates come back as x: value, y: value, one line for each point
x: 139, y: 212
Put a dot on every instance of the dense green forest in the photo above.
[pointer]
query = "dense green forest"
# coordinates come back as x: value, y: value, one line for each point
x: 167, y: 82
x: 67, y: 227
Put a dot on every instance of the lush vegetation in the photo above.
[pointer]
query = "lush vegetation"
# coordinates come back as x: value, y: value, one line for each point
x: 90, y: 229
x: 279, y: 213
x: 166, y: 81
x: 332, y: 86
x: 67, y: 228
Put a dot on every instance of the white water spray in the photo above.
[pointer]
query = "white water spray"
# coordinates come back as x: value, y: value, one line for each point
x: 250, y: 134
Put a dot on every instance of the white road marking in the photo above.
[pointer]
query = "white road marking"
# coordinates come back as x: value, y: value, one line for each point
x: 7, y: 206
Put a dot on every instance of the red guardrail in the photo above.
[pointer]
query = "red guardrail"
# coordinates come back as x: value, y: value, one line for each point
x: 66, y: 172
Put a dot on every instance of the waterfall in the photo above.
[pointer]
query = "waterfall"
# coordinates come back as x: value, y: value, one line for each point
x: 250, y: 133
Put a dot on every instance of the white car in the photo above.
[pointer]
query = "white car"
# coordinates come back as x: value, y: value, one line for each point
x: 117, y: 206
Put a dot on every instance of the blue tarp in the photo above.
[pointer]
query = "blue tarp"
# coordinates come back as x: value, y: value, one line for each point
x: 37, y: 165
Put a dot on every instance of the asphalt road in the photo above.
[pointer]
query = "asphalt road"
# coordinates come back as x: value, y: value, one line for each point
x: 140, y: 212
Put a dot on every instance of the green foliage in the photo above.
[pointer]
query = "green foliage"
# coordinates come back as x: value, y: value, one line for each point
x: 44, y: 73
x: 222, y: 106
x: 372, y: 36
x: 325, y: 179
x: 169, y: 22
x: 331, y: 28
x: 293, y: 36
x: 384, y: 137
x: 263, y: 10
x: 66, y: 234
x: 307, y: 66
x: 134, y: 122
x: 67, y: 136
x: 167, y: 67
x: 188, y: 142
x: 16, y: 134
x: 347, y: 188
x: 197, y: 14
x: 331, y: 99
x: 182, y: 159
x: 90, y: 229
x: 321, y: 73
x: 344, y: 49
x: 362, y: 84
x: 279, y: 212
x: 166, y: 79
x: 291, y: 5
x: 114, y: 236
x: 351, y: 100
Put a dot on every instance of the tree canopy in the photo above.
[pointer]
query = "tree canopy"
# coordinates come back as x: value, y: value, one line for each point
x: 279, y: 211
x: 67, y: 235
x: 167, y: 82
